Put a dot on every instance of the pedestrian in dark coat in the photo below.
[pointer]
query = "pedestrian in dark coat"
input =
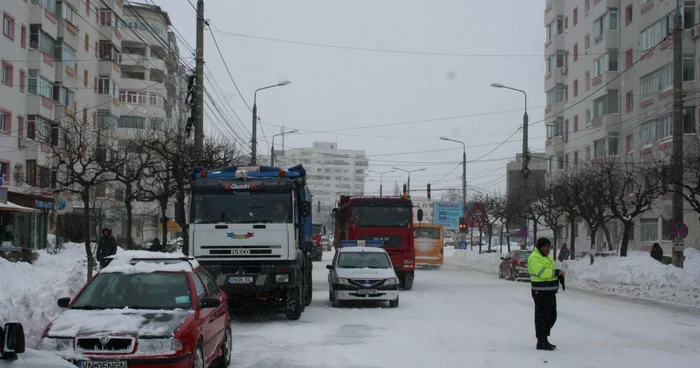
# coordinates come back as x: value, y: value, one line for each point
x: 657, y: 252
x: 156, y: 246
x: 106, y: 246
x: 564, y: 253
x: 544, y: 280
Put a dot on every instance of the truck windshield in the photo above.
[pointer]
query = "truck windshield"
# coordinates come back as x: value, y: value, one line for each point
x: 376, y: 216
x: 426, y: 233
x: 363, y: 260
x: 209, y: 208
x: 159, y: 290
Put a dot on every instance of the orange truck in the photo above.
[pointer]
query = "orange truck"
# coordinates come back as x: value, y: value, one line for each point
x: 428, y: 242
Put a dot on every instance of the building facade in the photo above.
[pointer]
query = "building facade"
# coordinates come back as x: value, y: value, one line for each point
x: 608, y: 82
x: 331, y: 171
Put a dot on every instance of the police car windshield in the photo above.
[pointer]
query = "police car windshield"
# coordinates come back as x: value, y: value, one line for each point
x: 210, y: 208
x: 363, y: 260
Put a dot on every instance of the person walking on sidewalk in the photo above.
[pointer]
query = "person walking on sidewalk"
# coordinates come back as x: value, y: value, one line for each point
x: 106, y: 247
x: 544, y: 280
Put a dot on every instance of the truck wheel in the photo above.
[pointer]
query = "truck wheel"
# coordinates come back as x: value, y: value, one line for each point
x: 408, y: 283
x: 308, y: 290
x: 394, y: 303
x: 330, y: 296
x: 294, y: 304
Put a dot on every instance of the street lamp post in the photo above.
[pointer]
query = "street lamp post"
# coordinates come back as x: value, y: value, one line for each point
x: 408, y: 185
x: 254, y: 141
x: 381, y: 179
x: 464, y: 174
x: 272, y: 148
x: 525, y: 172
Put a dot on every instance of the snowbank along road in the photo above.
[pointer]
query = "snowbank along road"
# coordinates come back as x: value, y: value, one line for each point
x: 457, y: 317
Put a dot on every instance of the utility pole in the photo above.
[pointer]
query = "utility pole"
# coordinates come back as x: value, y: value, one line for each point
x: 677, y: 157
x: 464, y: 184
x: 199, y: 95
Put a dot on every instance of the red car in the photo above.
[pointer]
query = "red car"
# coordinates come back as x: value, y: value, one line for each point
x: 514, y: 265
x: 141, y: 311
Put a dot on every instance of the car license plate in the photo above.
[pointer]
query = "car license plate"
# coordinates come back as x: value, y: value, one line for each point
x: 86, y: 364
x: 368, y: 292
x: 240, y: 279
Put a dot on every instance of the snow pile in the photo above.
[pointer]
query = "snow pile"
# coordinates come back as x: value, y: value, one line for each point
x: 639, y: 276
x: 141, y: 261
x: 29, y: 291
x: 484, y: 261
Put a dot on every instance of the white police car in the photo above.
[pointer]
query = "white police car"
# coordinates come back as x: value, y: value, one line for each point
x: 362, y: 270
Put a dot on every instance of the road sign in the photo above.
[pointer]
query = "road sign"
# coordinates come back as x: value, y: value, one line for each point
x: 447, y: 214
x: 679, y: 230
x: 522, y: 233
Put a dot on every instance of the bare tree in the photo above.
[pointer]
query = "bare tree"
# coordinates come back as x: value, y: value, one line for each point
x: 584, y: 189
x: 78, y: 150
x: 630, y: 189
x: 511, y: 214
x: 549, y: 207
x: 451, y: 195
x: 494, y: 208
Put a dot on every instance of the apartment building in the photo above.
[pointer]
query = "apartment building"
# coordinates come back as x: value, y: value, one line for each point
x: 609, y: 92
x: 331, y: 171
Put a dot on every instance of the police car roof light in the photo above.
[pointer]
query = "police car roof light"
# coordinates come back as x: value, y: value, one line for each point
x: 361, y: 243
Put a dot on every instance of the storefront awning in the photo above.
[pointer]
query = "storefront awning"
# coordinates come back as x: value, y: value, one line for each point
x: 11, y: 207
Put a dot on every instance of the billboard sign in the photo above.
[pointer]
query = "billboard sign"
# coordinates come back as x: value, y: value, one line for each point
x: 447, y: 214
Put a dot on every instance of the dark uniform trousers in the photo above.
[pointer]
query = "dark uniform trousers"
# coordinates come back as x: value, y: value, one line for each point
x: 545, y: 312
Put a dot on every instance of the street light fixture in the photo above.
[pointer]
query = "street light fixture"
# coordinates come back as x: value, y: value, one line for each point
x: 525, y: 172
x: 408, y: 185
x: 272, y: 149
x: 254, y: 141
x: 381, y: 178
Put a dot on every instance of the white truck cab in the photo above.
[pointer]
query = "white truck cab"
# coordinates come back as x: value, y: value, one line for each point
x: 14, y: 354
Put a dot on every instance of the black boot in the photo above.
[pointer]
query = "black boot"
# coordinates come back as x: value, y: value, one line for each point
x: 543, y: 344
x: 550, y: 345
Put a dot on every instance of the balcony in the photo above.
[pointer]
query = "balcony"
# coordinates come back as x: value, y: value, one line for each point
x: 609, y: 121
x: 603, y: 80
x: 48, y: 20
x: 46, y: 64
x: 554, y: 109
x: 553, y: 9
x: 40, y: 105
x: 557, y: 77
x: 30, y: 148
x: 134, y: 62
x: 557, y: 42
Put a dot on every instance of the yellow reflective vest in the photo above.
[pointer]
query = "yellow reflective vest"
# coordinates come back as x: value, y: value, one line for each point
x: 544, y: 275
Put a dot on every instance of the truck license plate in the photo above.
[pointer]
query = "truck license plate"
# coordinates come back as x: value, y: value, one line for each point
x: 86, y: 364
x: 240, y: 279
x: 368, y: 292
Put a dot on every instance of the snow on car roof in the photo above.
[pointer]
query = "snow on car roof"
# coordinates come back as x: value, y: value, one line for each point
x: 362, y: 249
x: 140, y: 261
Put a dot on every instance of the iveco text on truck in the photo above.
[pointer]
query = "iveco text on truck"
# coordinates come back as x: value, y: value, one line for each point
x: 250, y: 227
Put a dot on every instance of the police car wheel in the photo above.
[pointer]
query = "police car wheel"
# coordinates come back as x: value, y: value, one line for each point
x: 337, y: 303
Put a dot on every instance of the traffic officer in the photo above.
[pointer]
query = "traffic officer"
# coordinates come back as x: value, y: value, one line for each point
x: 544, y: 278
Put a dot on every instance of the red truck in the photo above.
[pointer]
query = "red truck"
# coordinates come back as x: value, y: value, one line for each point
x: 387, y: 219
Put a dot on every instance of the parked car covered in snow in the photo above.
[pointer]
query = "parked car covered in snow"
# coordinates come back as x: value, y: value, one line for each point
x: 144, y: 310
x: 514, y: 265
x: 13, y: 352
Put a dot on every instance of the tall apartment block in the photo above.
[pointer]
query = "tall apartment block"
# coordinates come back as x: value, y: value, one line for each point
x: 609, y: 92
x: 97, y: 62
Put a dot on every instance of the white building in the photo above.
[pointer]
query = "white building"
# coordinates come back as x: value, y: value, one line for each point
x: 609, y: 91
x: 331, y: 171
x: 426, y: 205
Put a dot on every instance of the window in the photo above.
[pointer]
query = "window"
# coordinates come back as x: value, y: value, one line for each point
x: 628, y: 15
x: 575, y: 52
x: 587, y: 42
x: 135, y: 122
x: 628, y: 143
x: 629, y: 58
x: 575, y: 123
x: 688, y: 14
x: 106, y: 120
x: 63, y: 96
x: 5, y: 121
x: 586, y: 6
x: 87, y: 42
x: 575, y: 16
x: 607, y: 21
x: 87, y: 7
x: 555, y: 95
x: 566, y: 24
x: 605, y: 63
x: 49, y: 5
x: 688, y: 69
x: 575, y: 158
x: 588, y: 117
x: 34, y: 31
x: 40, y: 85
x: 575, y: 87
x: 649, y: 229
x: 656, y: 81
x: 629, y: 101
x: 588, y: 81
x: 613, y: 144
x: 210, y: 284
x: 8, y: 26
x: 23, y: 36
x: 556, y: 162
x: 107, y: 51
x: 556, y: 128
x: 66, y: 54
x: 599, y: 149
x: 657, y: 32
x: 157, y: 123
x: 22, y: 80
x: 607, y: 104
x: 6, y: 73
x: 656, y: 130
x: 105, y: 17
x: 47, y: 44
x: 69, y: 14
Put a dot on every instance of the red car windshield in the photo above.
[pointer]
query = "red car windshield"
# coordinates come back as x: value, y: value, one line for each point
x: 159, y: 290
x: 523, y: 255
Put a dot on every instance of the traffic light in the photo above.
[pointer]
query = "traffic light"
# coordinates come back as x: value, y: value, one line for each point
x: 462, y: 225
x: 405, y: 190
x: 428, y: 191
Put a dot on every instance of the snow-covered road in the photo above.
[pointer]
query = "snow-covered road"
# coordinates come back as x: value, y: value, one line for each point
x: 457, y: 317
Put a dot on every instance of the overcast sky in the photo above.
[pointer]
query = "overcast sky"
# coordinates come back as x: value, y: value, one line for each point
x: 456, y: 49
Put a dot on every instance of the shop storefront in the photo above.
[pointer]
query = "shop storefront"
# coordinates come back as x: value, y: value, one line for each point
x: 24, y: 220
